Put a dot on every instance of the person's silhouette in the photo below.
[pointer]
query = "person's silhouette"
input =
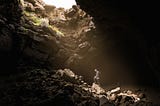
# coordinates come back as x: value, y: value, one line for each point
x: 96, y: 77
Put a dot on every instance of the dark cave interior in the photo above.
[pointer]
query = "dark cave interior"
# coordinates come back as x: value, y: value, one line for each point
x: 132, y: 27
x: 126, y: 41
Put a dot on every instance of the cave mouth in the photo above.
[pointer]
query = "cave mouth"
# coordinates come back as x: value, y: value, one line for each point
x: 61, y: 3
x: 40, y: 41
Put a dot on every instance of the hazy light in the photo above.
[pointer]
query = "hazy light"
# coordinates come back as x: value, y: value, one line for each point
x: 61, y: 3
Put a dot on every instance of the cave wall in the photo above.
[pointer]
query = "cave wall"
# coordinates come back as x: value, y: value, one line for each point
x: 125, y: 31
x: 38, y: 45
x: 11, y: 10
x: 10, y: 14
x: 131, y: 27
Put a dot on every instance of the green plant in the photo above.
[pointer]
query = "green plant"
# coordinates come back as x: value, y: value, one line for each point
x: 36, y: 21
x: 58, y: 32
x: 32, y: 16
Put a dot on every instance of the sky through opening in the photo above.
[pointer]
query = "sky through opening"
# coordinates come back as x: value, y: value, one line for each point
x: 61, y: 3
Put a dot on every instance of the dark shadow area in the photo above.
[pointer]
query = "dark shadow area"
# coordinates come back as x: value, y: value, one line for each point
x: 133, y: 32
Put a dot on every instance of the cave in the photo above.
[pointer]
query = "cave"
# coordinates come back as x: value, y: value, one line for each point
x: 75, y: 53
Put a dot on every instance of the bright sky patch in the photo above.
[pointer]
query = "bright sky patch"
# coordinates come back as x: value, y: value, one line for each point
x: 61, y: 3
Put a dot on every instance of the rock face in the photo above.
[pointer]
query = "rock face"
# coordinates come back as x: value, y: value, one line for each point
x: 30, y: 38
x: 54, y: 38
x: 45, y: 37
x: 9, y: 21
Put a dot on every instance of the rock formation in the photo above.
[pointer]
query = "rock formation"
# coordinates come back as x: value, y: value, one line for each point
x: 40, y: 45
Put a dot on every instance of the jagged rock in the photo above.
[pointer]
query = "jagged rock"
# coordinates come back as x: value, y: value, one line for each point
x: 42, y: 87
x: 31, y: 1
x: 95, y: 88
x: 38, y: 38
x: 49, y: 8
x: 56, y: 37
x: 69, y: 76
x: 2, y: 22
x: 73, y: 59
x: 39, y: 87
x: 49, y: 30
x: 29, y: 7
x: 66, y: 72
x: 39, y: 7
x: 103, y: 100
x: 84, y: 47
x: 35, y: 5
x: 11, y: 27
x: 63, y: 54
x: 130, y: 95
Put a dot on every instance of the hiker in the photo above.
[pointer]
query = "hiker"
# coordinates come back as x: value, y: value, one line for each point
x: 96, y: 77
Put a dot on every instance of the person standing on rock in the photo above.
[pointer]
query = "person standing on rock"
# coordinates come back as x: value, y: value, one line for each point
x: 96, y: 77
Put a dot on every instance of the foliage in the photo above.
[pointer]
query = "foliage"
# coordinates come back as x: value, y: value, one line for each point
x: 42, y: 22
x: 58, y: 32
x: 36, y: 20
x: 32, y: 16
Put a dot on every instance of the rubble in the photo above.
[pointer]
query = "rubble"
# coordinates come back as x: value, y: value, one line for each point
x: 95, y: 88
x: 62, y: 87
x: 130, y: 94
x: 40, y: 87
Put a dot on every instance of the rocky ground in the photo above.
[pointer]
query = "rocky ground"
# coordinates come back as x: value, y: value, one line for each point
x: 63, y: 88
x: 41, y: 41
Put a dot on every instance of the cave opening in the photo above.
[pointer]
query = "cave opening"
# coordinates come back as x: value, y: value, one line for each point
x: 92, y: 52
x: 58, y: 50
x: 61, y: 3
x: 117, y: 53
x: 78, y: 29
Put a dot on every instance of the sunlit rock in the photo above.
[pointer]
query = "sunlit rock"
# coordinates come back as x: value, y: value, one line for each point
x: 114, y: 90
x: 130, y: 94
x: 44, y: 22
x: 97, y: 89
x: 66, y: 72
